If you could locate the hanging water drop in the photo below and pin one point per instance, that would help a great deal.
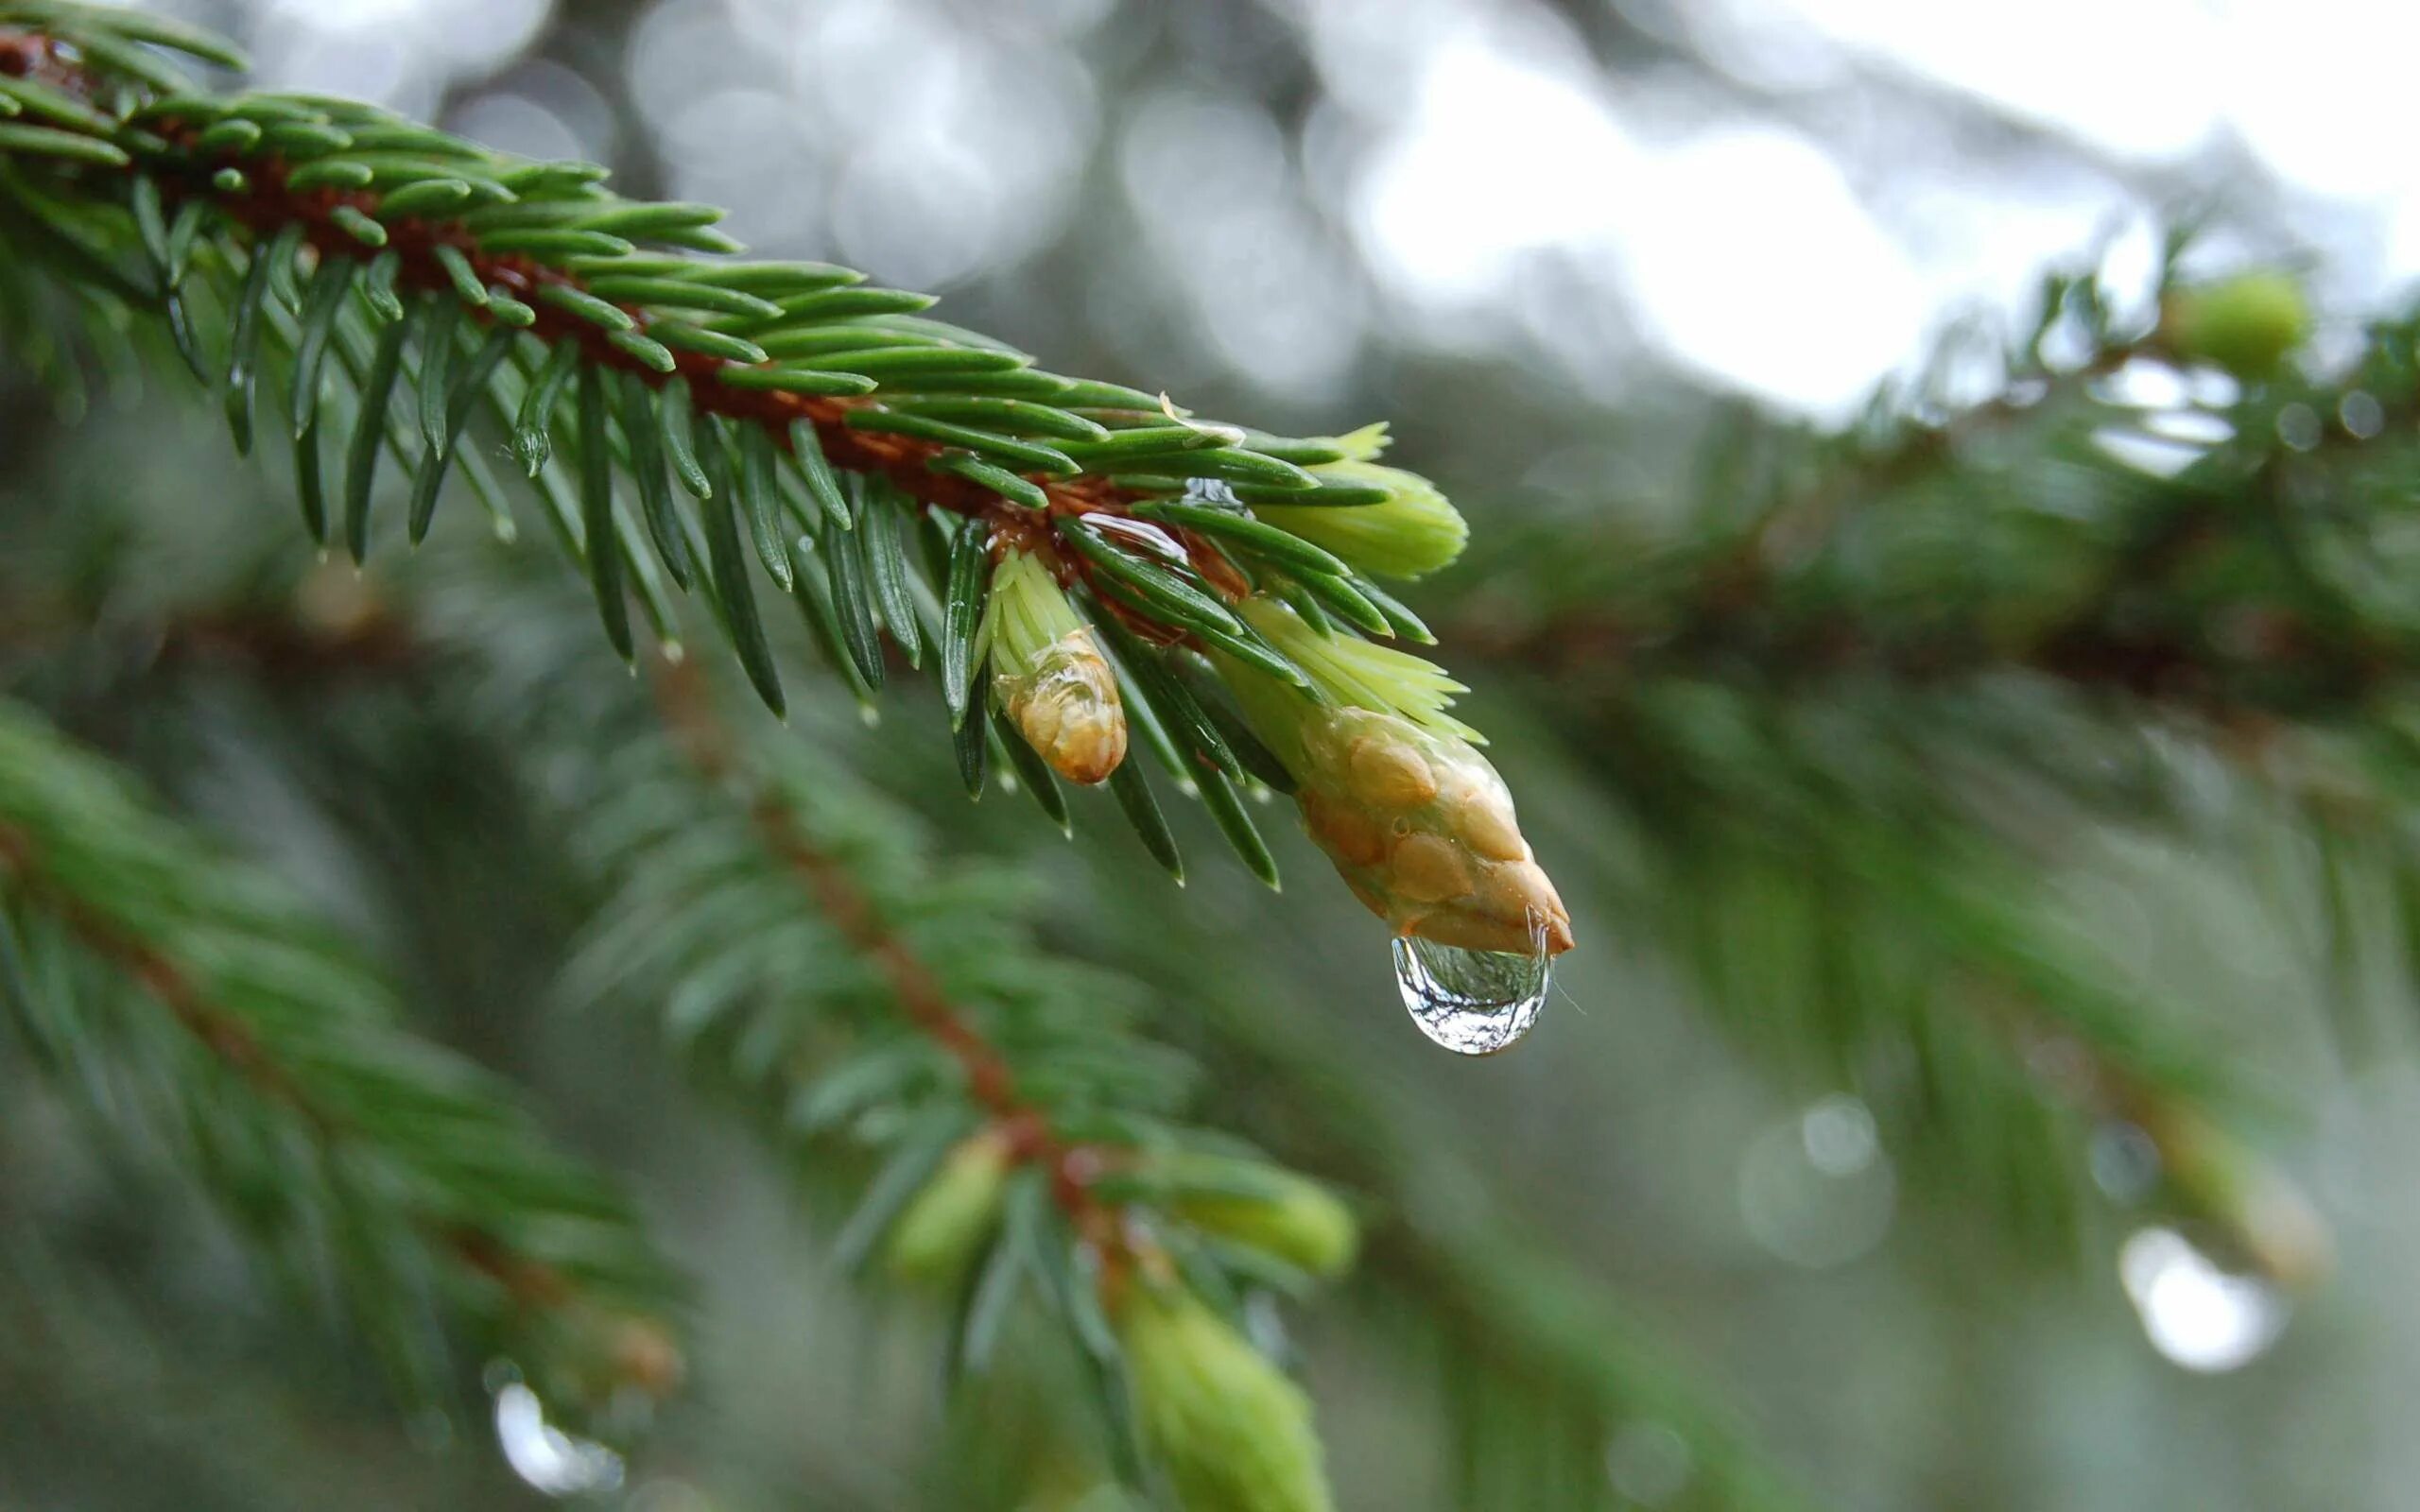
(550, 1460)
(1474, 1002)
(2201, 1317)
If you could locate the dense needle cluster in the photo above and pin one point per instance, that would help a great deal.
(1089, 567)
(730, 426)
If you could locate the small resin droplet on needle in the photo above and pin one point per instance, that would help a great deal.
(1474, 1002)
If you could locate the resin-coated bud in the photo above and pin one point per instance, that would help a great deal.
(1415, 532)
(1050, 676)
(1423, 831)
(949, 1220)
(2248, 324)
(1275, 1212)
(1233, 1433)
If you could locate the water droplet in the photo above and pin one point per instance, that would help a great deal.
(2201, 1317)
(549, 1459)
(1817, 1190)
(1838, 1133)
(2361, 415)
(1474, 1002)
(1138, 535)
(2125, 1163)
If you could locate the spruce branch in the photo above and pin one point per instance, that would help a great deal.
(1852, 707)
(1023, 1130)
(1564, 1355)
(825, 435)
(1848, 879)
(324, 1129)
(1937, 542)
(1535, 1360)
(490, 653)
(1028, 1149)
